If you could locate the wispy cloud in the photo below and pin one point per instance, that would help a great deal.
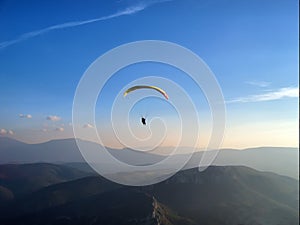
(88, 125)
(259, 83)
(4, 132)
(127, 11)
(61, 129)
(53, 118)
(287, 92)
(27, 116)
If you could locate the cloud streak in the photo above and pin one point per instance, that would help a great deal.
(53, 118)
(87, 125)
(27, 116)
(259, 83)
(128, 11)
(287, 92)
(4, 132)
(60, 129)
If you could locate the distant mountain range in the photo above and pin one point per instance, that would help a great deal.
(228, 195)
(281, 160)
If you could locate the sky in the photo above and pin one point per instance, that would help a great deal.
(251, 46)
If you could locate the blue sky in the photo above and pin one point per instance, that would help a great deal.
(250, 45)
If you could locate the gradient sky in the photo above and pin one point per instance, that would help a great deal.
(250, 45)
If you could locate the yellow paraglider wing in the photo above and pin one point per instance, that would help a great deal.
(147, 87)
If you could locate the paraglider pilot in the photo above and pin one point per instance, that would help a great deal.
(143, 120)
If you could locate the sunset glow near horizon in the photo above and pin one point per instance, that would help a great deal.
(251, 47)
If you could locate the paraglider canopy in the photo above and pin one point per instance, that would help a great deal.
(147, 87)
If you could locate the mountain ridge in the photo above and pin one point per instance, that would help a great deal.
(276, 159)
(227, 195)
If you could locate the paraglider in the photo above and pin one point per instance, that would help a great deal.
(143, 119)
